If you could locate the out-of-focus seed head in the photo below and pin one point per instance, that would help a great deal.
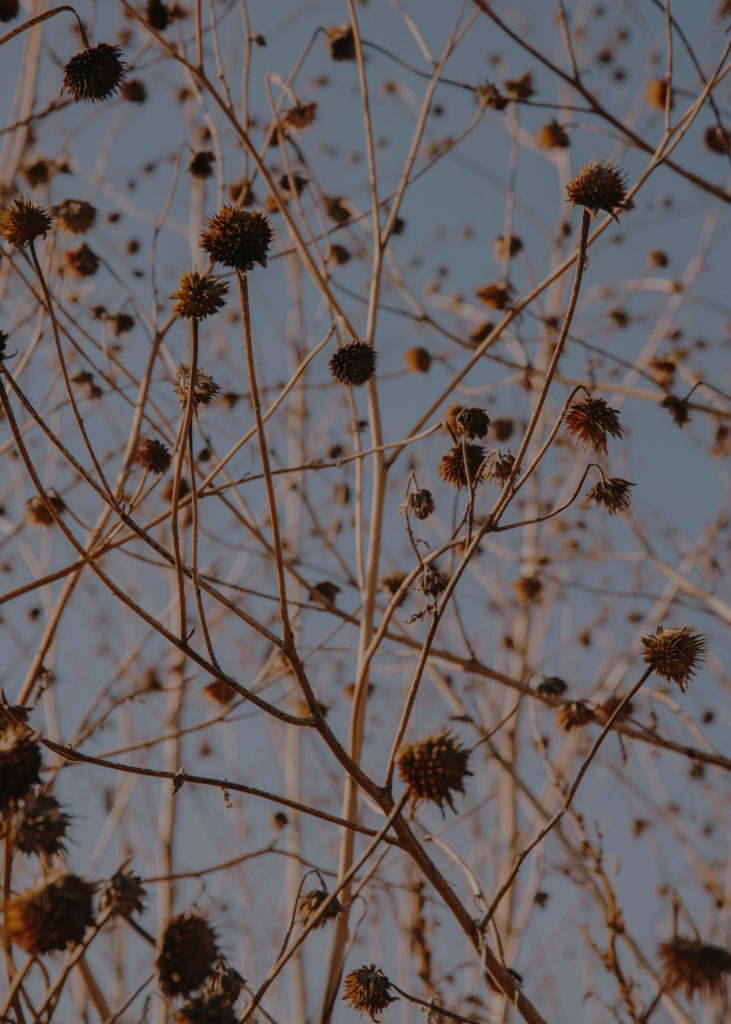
(40, 514)
(489, 95)
(123, 894)
(22, 221)
(353, 364)
(656, 94)
(472, 422)
(421, 503)
(153, 455)
(50, 916)
(237, 238)
(219, 692)
(499, 467)
(75, 216)
(599, 185)
(367, 990)
(188, 952)
(205, 1010)
(495, 295)
(300, 116)
(552, 136)
(520, 88)
(499, 247)
(199, 296)
(678, 409)
(718, 140)
(134, 90)
(225, 984)
(20, 762)
(434, 769)
(573, 714)
(39, 826)
(431, 582)
(696, 967)
(95, 74)
(591, 420)
(311, 902)
(341, 42)
(9, 9)
(205, 388)
(552, 686)
(82, 261)
(612, 493)
(674, 653)
(418, 359)
(463, 465)
(201, 164)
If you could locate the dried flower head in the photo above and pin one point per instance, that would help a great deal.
(51, 916)
(39, 826)
(134, 90)
(121, 323)
(489, 95)
(528, 588)
(367, 991)
(75, 216)
(21, 221)
(612, 492)
(717, 140)
(205, 388)
(300, 116)
(336, 210)
(573, 714)
(421, 503)
(123, 894)
(520, 88)
(199, 296)
(20, 762)
(237, 238)
(311, 902)
(599, 185)
(219, 692)
(431, 582)
(678, 409)
(291, 185)
(157, 15)
(695, 966)
(495, 295)
(462, 465)
(153, 455)
(591, 420)
(225, 984)
(201, 164)
(499, 467)
(40, 514)
(205, 1010)
(552, 136)
(674, 653)
(353, 364)
(95, 74)
(503, 427)
(9, 9)
(391, 584)
(499, 247)
(187, 954)
(471, 422)
(418, 359)
(552, 686)
(82, 261)
(434, 769)
(341, 42)
(656, 94)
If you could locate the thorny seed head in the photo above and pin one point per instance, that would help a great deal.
(472, 422)
(421, 503)
(187, 954)
(433, 769)
(367, 991)
(591, 420)
(695, 966)
(599, 185)
(341, 42)
(51, 915)
(311, 902)
(499, 467)
(612, 492)
(205, 388)
(354, 364)
(674, 653)
(22, 221)
(123, 894)
(237, 238)
(153, 455)
(461, 461)
(95, 74)
(678, 409)
(199, 296)
(39, 826)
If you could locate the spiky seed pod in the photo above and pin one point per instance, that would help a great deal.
(695, 966)
(300, 116)
(599, 185)
(38, 512)
(20, 762)
(433, 769)
(157, 15)
(201, 164)
(311, 902)
(678, 409)
(452, 466)
(134, 91)
(153, 455)
(552, 136)
(237, 238)
(205, 388)
(82, 261)
(9, 9)
(21, 221)
(39, 826)
(611, 492)
(591, 420)
(341, 42)
(674, 653)
(95, 74)
(552, 686)
(199, 296)
(472, 422)
(205, 1011)
(495, 295)
(188, 952)
(123, 894)
(418, 359)
(75, 216)
(354, 364)
(51, 916)
(573, 714)
(225, 984)
(367, 991)
(431, 582)
(499, 467)
(421, 503)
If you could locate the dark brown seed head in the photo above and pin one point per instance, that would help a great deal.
(20, 762)
(696, 967)
(463, 465)
(187, 954)
(123, 894)
(74, 216)
(199, 296)
(520, 88)
(237, 238)
(599, 185)
(157, 15)
(367, 991)
(311, 902)
(495, 295)
(552, 686)
(489, 95)
(552, 136)
(40, 514)
(39, 826)
(499, 467)
(134, 91)
(431, 582)
(22, 221)
(434, 769)
(573, 714)
(300, 116)
(9, 9)
(121, 323)
(421, 503)
(95, 74)
(499, 247)
(354, 364)
(674, 653)
(337, 211)
(503, 427)
(219, 692)
(472, 422)
(153, 455)
(611, 492)
(205, 388)
(591, 420)
(291, 186)
(418, 359)
(678, 409)
(718, 140)
(201, 164)
(205, 1010)
(225, 984)
(51, 916)
(341, 42)
(82, 261)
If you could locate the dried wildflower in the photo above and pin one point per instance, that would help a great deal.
(656, 94)
(39, 172)
(21, 221)
(205, 388)
(95, 74)
(599, 185)
(421, 503)
(552, 686)
(39, 826)
(367, 991)
(187, 954)
(199, 296)
(292, 185)
(82, 261)
(339, 255)
(495, 295)
(9, 9)
(674, 653)
(20, 761)
(503, 427)
(573, 714)
(695, 966)
(51, 916)
(528, 588)
(552, 136)
(311, 902)
(225, 984)
(153, 455)
(341, 42)
(607, 708)
(157, 15)
(611, 492)
(40, 514)
(204, 1010)
(499, 247)
(134, 91)
(237, 238)
(201, 164)
(489, 95)
(591, 420)
(718, 140)
(418, 359)
(300, 116)
(678, 409)
(462, 465)
(353, 364)
(123, 894)
(472, 422)
(75, 216)
(337, 210)
(219, 692)
(499, 467)
(433, 769)
(326, 590)
(520, 88)
(431, 582)
(122, 323)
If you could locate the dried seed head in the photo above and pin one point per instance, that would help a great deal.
(82, 261)
(678, 409)
(187, 954)
(463, 465)
(520, 88)
(205, 388)
(123, 894)
(611, 492)
(718, 140)
(418, 359)
(219, 692)
(199, 296)
(431, 582)
(421, 503)
(311, 902)
(225, 984)
(20, 762)
(300, 116)
(499, 467)
(153, 455)
(40, 514)
(674, 653)
(552, 686)
(95, 74)
(122, 323)
(201, 164)
(599, 185)
(591, 420)
(291, 186)
(695, 966)
(499, 247)
(472, 422)
(552, 136)
(51, 916)
(353, 364)
(656, 94)
(9, 9)
(21, 221)
(495, 295)
(237, 238)
(337, 211)
(528, 588)
(157, 15)
(367, 991)
(503, 427)
(489, 95)
(341, 42)
(434, 769)
(75, 216)
(39, 826)
(573, 714)
(134, 91)
(391, 584)
(204, 1010)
